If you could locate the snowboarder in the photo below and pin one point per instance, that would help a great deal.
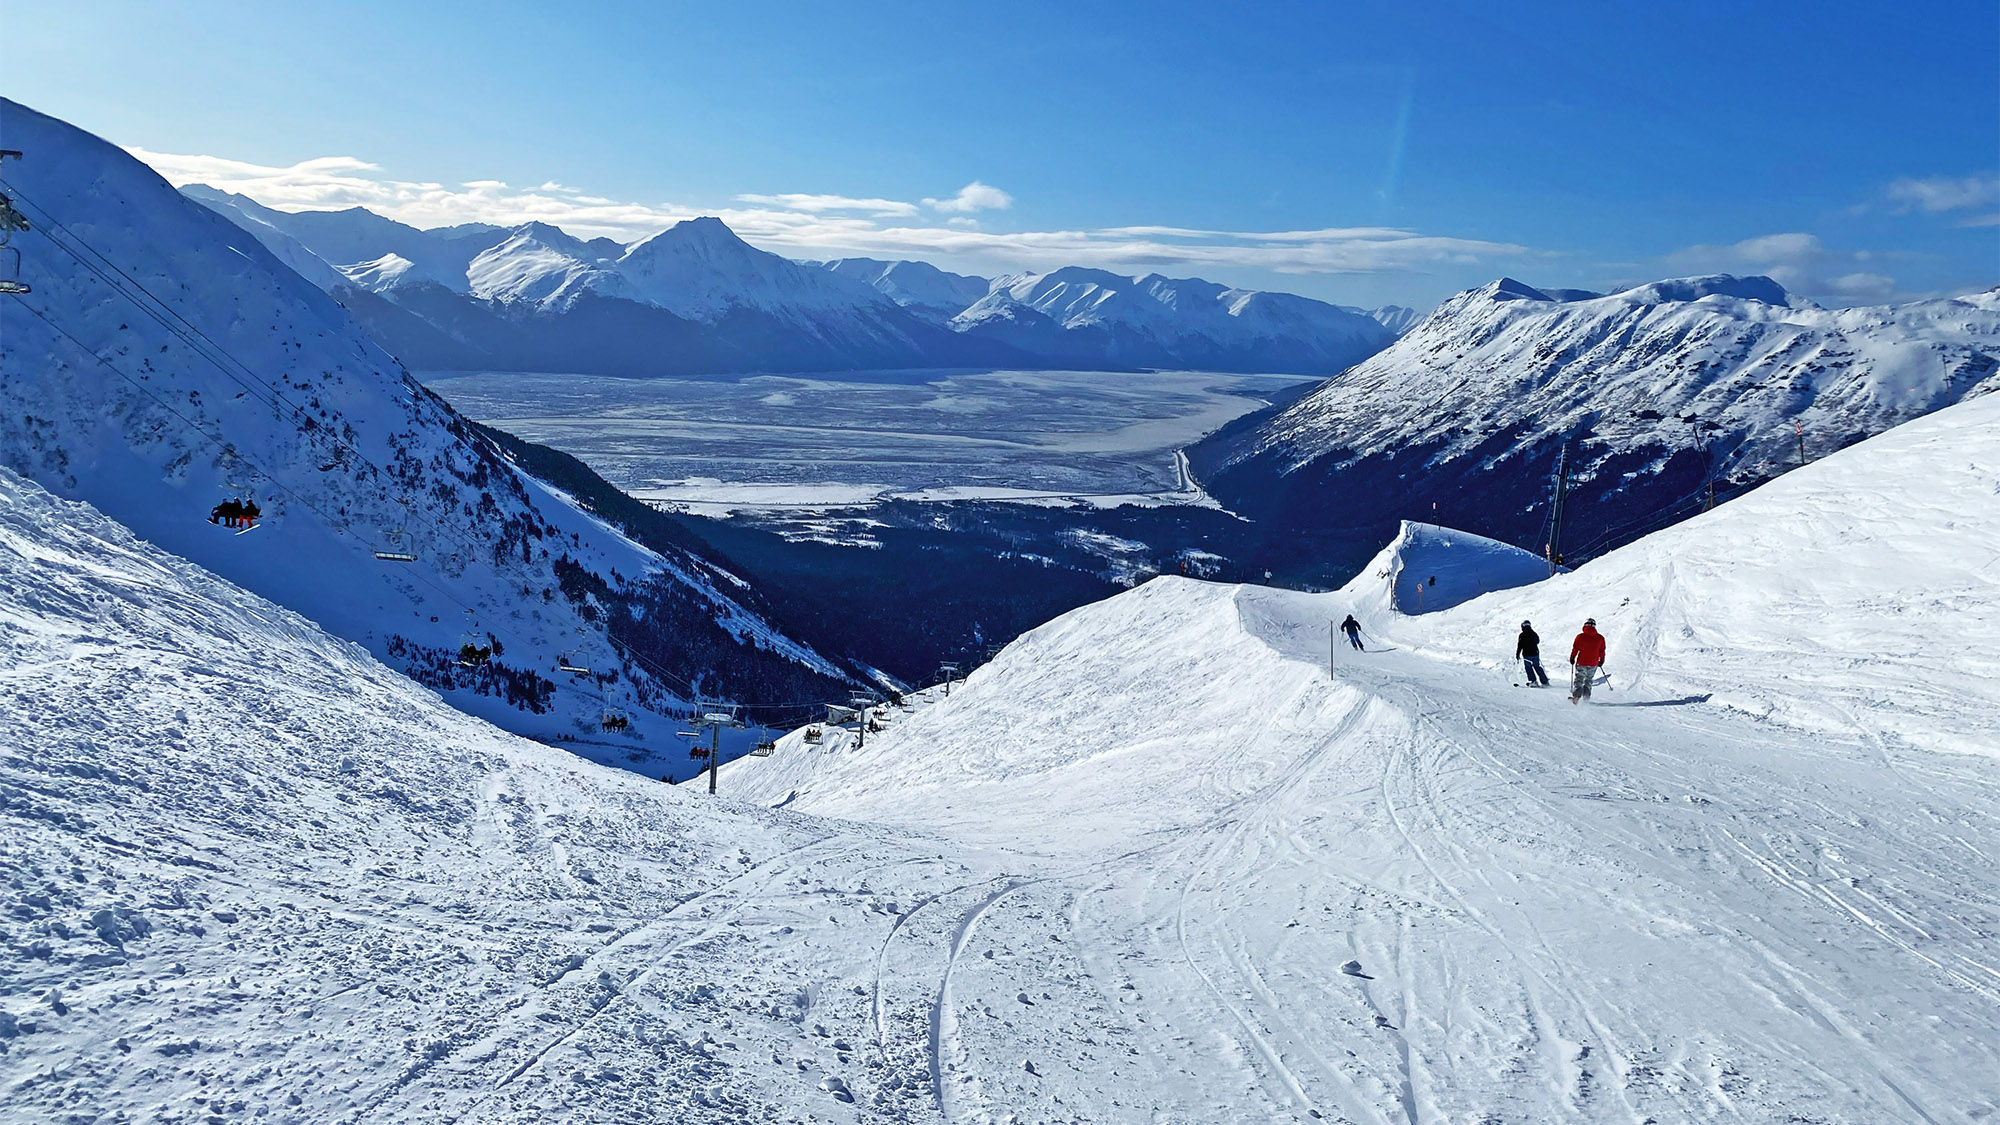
(1353, 630)
(249, 513)
(1586, 656)
(1528, 650)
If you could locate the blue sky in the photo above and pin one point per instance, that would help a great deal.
(1365, 153)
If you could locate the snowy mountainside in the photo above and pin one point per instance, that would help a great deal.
(1854, 595)
(166, 362)
(1160, 321)
(915, 285)
(1392, 886)
(253, 874)
(1656, 390)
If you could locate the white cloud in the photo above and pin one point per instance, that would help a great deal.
(1798, 261)
(795, 201)
(974, 196)
(1945, 193)
(807, 225)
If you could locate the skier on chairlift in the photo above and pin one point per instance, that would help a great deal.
(1353, 630)
(226, 513)
(1586, 658)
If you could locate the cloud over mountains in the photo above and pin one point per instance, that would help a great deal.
(817, 225)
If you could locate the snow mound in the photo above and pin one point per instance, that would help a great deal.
(1715, 285)
(1428, 568)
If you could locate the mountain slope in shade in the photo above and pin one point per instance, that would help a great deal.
(1159, 322)
(166, 362)
(1657, 390)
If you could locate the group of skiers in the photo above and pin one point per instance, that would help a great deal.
(1586, 655)
(1586, 658)
(235, 513)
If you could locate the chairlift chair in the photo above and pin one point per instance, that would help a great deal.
(11, 220)
(390, 547)
(815, 733)
(472, 653)
(615, 720)
(10, 280)
(565, 664)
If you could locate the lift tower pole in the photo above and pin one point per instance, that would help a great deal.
(1554, 549)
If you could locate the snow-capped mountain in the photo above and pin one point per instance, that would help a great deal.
(700, 270)
(1157, 321)
(1656, 390)
(166, 362)
(695, 297)
(1396, 318)
(919, 286)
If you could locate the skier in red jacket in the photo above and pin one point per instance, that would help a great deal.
(1586, 656)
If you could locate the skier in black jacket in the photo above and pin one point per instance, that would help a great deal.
(1528, 649)
(1353, 630)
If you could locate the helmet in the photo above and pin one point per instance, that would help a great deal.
(1591, 621)
(1525, 625)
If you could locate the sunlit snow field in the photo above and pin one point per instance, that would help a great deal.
(800, 441)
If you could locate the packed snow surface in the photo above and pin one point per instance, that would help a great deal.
(1170, 858)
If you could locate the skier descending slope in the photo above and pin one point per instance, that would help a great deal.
(1586, 656)
(1353, 630)
(1528, 650)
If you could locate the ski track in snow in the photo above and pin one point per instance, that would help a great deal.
(1152, 864)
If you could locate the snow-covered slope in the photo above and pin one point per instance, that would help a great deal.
(1656, 390)
(1391, 886)
(166, 362)
(1157, 320)
(1856, 595)
(915, 285)
(253, 875)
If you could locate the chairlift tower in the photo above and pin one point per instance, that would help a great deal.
(713, 722)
